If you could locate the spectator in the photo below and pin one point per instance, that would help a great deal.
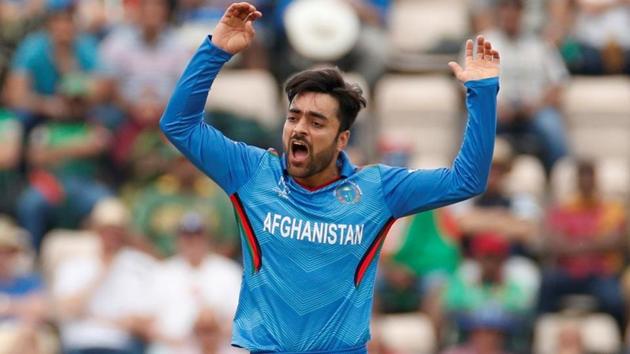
(197, 306)
(592, 35)
(483, 15)
(159, 206)
(132, 55)
(23, 308)
(485, 280)
(64, 159)
(585, 243)
(570, 340)
(532, 78)
(488, 327)
(102, 301)
(98, 18)
(17, 18)
(466, 293)
(426, 256)
(10, 155)
(496, 211)
(43, 59)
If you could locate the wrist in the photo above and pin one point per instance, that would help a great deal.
(219, 48)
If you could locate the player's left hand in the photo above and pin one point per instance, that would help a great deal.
(483, 65)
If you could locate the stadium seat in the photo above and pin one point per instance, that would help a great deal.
(191, 35)
(62, 244)
(407, 333)
(45, 340)
(430, 22)
(600, 142)
(599, 332)
(607, 97)
(356, 78)
(431, 141)
(613, 179)
(419, 110)
(527, 176)
(597, 113)
(250, 93)
(411, 95)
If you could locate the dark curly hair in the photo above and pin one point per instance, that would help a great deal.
(329, 81)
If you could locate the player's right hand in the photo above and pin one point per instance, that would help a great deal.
(235, 31)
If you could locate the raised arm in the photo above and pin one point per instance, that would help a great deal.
(228, 163)
(411, 191)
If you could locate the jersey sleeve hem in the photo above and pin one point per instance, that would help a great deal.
(491, 81)
(220, 53)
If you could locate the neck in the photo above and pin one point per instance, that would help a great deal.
(62, 46)
(151, 35)
(195, 262)
(589, 199)
(109, 252)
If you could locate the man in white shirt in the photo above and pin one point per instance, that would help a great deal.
(197, 297)
(531, 86)
(102, 301)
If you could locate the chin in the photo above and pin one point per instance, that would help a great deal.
(299, 172)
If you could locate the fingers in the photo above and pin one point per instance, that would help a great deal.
(243, 11)
(481, 46)
(496, 57)
(469, 49)
(250, 28)
(456, 68)
(253, 16)
(485, 51)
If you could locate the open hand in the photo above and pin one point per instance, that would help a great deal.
(483, 65)
(235, 31)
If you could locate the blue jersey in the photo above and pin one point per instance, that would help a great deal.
(310, 255)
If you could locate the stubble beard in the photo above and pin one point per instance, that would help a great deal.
(316, 163)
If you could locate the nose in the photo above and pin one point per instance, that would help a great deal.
(300, 127)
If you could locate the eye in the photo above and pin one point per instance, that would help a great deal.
(317, 124)
(291, 119)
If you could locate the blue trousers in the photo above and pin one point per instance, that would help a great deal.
(35, 213)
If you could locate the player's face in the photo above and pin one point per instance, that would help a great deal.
(311, 136)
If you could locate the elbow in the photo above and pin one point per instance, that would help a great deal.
(470, 185)
(474, 187)
(164, 126)
(478, 189)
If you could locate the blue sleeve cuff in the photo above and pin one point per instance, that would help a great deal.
(216, 51)
(491, 81)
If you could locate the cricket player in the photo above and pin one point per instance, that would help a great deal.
(312, 224)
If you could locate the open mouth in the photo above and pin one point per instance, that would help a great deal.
(299, 151)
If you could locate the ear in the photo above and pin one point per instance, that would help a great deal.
(342, 140)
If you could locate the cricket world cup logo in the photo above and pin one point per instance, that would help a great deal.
(348, 193)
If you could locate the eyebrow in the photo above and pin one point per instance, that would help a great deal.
(309, 113)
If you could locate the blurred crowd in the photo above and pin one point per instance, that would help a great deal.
(112, 242)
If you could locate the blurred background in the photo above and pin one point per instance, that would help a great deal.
(111, 242)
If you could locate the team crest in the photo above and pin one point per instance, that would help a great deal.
(348, 193)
